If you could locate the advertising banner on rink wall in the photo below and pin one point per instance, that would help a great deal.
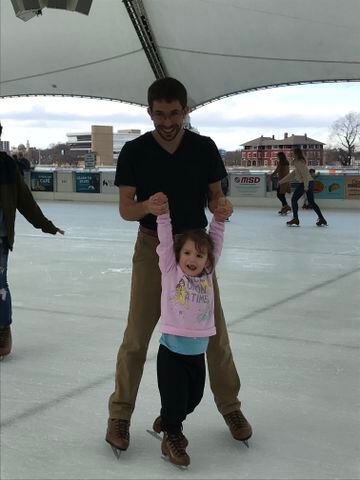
(87, 182)
(107, 183)
(329, 186)
(352, 187)
(42, 181)
(245, 184)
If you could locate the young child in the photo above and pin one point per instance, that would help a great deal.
(187, 321)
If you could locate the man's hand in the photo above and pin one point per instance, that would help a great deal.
(223, 210)
(62, 232)
(158, 204)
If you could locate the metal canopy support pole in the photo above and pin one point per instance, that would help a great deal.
(137, 14)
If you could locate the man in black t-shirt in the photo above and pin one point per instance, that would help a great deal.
(188, 169)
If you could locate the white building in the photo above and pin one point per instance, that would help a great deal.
(98, 141)
(121, 137)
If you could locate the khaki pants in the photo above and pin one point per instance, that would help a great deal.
(144, 314)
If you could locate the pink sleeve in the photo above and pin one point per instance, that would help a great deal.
(165, 249)
(216, 232)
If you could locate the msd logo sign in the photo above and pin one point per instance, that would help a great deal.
(247, 180)
(247, 184)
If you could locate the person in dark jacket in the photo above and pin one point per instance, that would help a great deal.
(281, 171)
(22, 163)
(14, 195)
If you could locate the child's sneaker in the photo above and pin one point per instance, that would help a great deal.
(172, 447)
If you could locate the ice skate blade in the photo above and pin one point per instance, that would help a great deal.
(245, 442)
(180, 467)
(155, 434)
(116, 452)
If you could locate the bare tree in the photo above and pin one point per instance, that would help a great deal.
(59, 154)
(232, 158)
(346, 131)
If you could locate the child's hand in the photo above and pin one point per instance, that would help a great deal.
(159, 198)
(223, 210)
(158, 204)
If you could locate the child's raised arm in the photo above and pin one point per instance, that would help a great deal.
(165, 249)
(216, 232)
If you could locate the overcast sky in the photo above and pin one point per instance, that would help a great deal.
(230, 122)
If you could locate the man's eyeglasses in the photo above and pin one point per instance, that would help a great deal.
(161, 116)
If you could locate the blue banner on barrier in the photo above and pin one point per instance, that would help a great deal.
(329, 186)
(87, 182)
(42, 181)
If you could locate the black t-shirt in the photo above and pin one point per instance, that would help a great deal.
(183, 176)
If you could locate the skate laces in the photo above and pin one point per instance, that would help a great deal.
(175, 441)
(236, 419)
(122, 428)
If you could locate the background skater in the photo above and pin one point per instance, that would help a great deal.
(306, 184)
(282, 169)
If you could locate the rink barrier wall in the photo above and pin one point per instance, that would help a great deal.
(246, 188)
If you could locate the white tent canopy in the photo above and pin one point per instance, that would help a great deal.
(215, 47)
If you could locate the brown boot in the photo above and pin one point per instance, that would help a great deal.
(286, 209)
(157, 429)
(157, 424)
(294, 221)
(321, 222)
(239, 427)
(5, 340)
(172, 447)
(118, 433)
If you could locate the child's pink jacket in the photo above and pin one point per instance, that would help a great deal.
(187, 303)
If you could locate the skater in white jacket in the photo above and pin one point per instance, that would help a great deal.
(306, 184)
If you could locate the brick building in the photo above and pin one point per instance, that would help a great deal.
(261, 152)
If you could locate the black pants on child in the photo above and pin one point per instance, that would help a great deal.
(181, 381)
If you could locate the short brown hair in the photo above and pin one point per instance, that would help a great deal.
(168, 89)
(203, 243)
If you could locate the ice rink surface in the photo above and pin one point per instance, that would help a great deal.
(291, 299)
